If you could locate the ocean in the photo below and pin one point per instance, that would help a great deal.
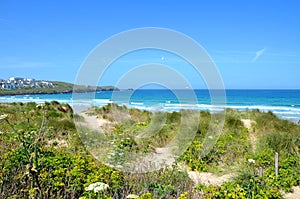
(283, 103)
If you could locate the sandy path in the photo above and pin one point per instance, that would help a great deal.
(208, 178)
(248, 124)
(161, 158)
(93, 122)
(294, 195)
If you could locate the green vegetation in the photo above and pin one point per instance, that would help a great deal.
(59, 87)
(42, 156)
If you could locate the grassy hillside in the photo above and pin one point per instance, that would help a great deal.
(59, 87)
(42, 156)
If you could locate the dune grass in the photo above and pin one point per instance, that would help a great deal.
(43, 156)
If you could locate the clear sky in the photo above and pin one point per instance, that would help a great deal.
(255, 43)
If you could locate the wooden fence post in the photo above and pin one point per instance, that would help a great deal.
(276, 164)
(260, 172)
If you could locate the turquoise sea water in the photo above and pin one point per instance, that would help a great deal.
(284, 103)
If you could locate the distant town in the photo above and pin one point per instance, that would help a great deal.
(14, 83)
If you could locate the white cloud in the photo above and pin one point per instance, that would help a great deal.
(245, 57)
(259, 54)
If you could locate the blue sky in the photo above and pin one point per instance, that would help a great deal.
(255, 44)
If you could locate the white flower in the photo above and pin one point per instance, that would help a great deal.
(119, 166)
(111, 154)
(132, 196)
(97, 186)
(251, 161)
(97, 189)
(3, 117)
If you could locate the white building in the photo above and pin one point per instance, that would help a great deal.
(8, 86)
(18, 82)
(16, 79)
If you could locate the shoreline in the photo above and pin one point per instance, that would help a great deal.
(285, 105)
(56, 92)
(79, 108)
